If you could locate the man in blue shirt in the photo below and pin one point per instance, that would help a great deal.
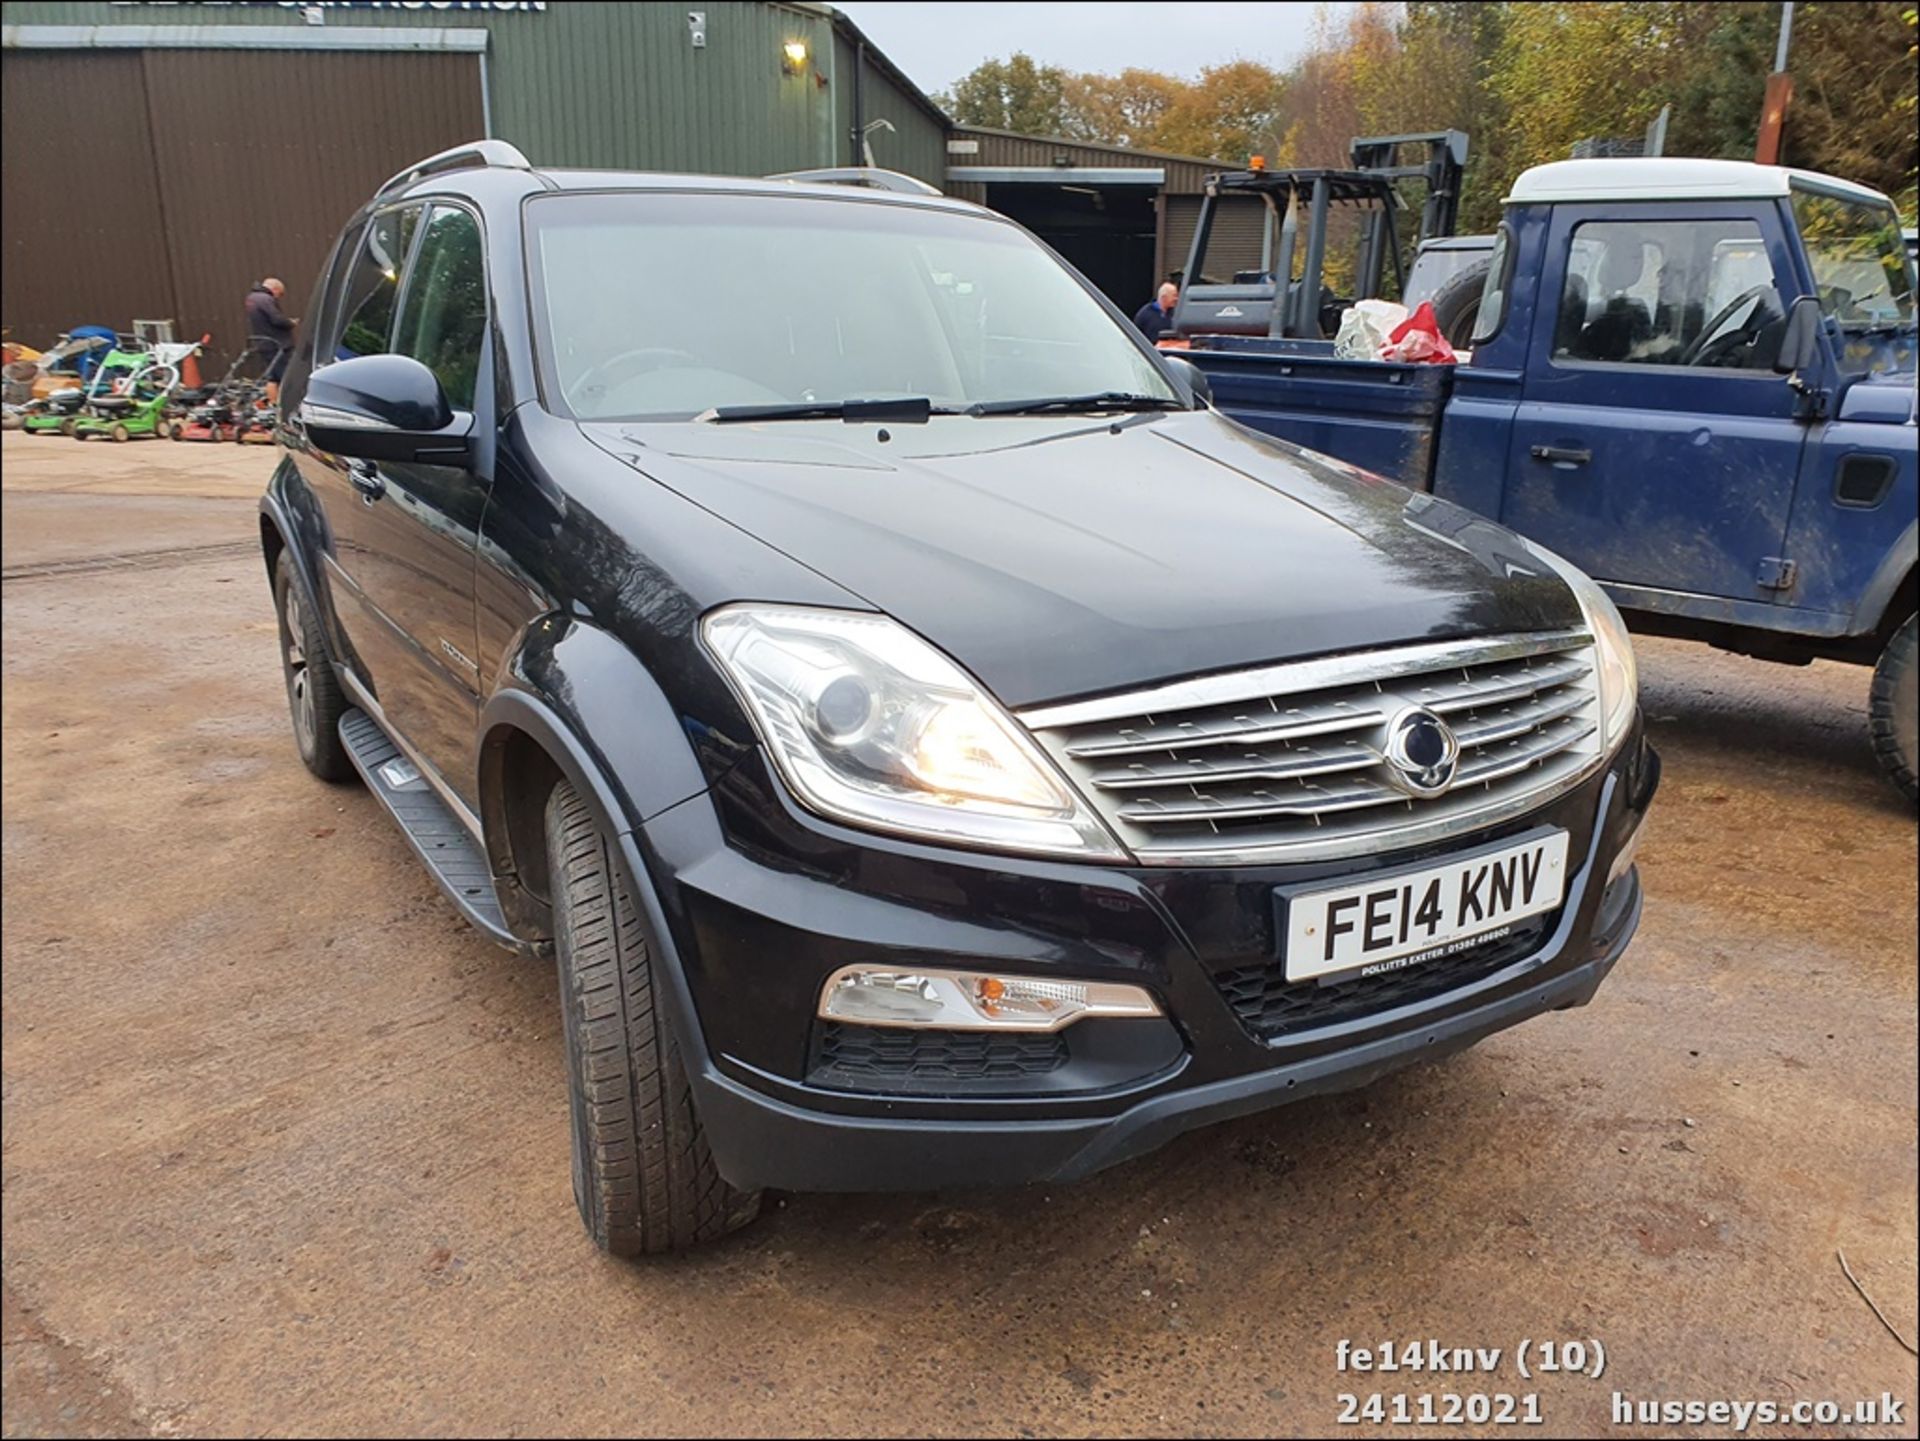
(1157, 314)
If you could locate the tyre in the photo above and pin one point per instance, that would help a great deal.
(69, 425)
(1456, 305)
(119, 433)
(1893, 709)
(643, 1177)
(162, 428)
(313, 691)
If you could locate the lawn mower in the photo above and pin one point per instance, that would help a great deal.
(145, 406)
(32, 378)
(233, 409)
(58, 413)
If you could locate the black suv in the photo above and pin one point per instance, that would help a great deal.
(936, 748)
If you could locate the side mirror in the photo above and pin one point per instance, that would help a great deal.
(1800, 342)
(1195, 378)
(384, 407)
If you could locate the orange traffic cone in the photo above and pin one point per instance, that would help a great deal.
(190, 367)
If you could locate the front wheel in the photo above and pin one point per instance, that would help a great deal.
(643, 1177)
(1893, 709)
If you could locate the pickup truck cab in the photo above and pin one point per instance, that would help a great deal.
(933, 748)
(1694, 379)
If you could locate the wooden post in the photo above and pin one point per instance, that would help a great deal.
(1773, 117)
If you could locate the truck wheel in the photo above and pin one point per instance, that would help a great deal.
(313, 691)
(643, 1177)
(1893, 708)
(1456, 305)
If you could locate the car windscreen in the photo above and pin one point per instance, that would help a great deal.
(665, 305)
(1861, 276)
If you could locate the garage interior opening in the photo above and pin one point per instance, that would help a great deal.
(1105, 231)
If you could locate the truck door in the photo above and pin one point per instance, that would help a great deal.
(1654, 446)
(407, 532)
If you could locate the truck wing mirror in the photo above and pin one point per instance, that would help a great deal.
(1195, 378)
(1800, 343)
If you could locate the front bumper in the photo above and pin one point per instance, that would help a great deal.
(756, 904)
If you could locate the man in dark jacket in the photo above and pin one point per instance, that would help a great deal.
(269, 332)
(1157, 314)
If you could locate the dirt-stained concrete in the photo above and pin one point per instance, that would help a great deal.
(285, 1143)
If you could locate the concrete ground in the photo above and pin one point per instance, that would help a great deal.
(285, 1143)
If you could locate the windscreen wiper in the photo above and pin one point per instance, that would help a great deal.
(1101, 400)
(909, 410)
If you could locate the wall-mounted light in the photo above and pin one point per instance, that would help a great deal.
(793, 57)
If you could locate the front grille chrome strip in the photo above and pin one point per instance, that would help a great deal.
(1250, 730)
(1224, 773)
(1505, 725)
(1295, 677)
(1349, 756)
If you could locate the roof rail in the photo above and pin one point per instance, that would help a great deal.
(868, 175)
(461, 157)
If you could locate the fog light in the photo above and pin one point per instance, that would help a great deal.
(973, 1000)
(1623, 861)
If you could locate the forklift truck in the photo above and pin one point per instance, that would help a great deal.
(1300, 201)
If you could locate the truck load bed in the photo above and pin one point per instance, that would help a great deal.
(1383, 416)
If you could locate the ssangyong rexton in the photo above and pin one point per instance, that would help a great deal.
(935, 747)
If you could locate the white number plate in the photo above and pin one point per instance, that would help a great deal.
(1391, 922)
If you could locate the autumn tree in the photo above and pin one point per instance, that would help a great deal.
(1853, 95)
(1010, 94)
(1526, 81)
(1125, 109)
(1232, 111)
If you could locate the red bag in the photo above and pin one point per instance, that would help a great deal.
(1418, 338)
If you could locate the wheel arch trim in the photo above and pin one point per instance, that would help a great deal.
(564, 682)
(1870, 613)
(520, 710)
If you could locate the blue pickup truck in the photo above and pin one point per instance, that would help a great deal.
(1695, 379)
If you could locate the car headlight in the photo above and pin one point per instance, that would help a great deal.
(1618, 674)
(869, 724)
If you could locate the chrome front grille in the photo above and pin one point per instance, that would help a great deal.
(1289, 762)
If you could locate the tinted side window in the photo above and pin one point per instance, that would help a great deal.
(444, 316)
(366, 308)
(1689, 292)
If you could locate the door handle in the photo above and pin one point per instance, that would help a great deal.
(1561, 455)
(366, 479)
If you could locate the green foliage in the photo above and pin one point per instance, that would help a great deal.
(1853, 95)
(1525, 80)
(1011, 94)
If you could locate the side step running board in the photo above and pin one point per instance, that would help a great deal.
(433, 831)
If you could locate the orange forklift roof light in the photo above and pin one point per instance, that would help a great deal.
(1256, 162)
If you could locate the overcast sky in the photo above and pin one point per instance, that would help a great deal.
(937, 43)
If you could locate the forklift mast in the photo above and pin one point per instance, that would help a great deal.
(1265, 303)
